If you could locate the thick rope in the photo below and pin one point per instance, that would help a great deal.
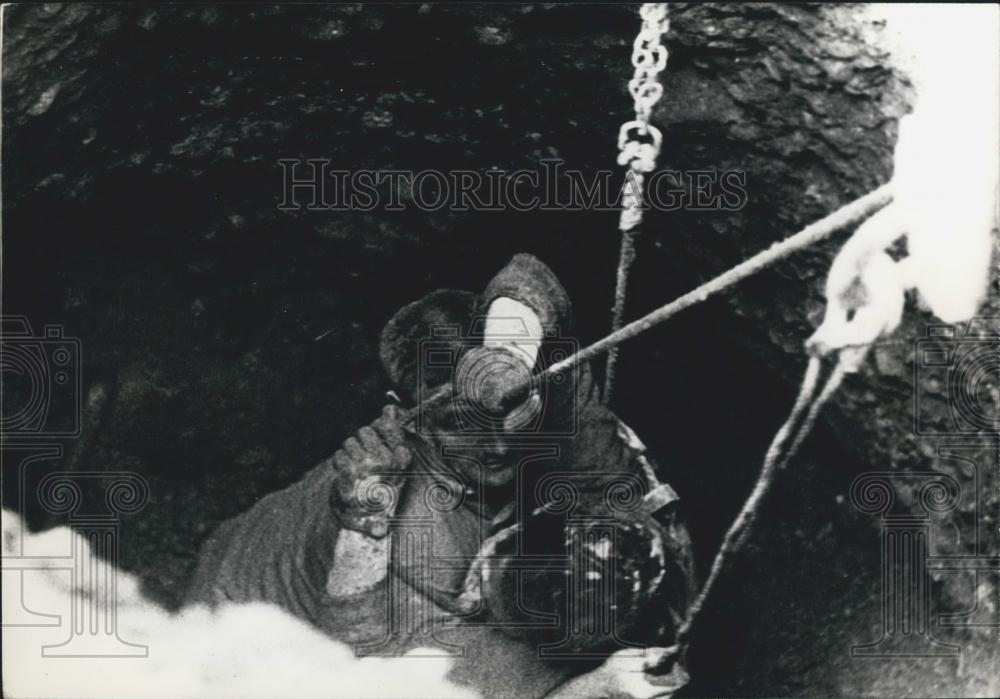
(638, 145)
(625, 259)
(806, 407)
(777, 456)
(847, 215)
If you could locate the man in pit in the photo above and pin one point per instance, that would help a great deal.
(416, 532)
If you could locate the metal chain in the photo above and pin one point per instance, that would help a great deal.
(638, 141)
(649, 58)
(638, 147)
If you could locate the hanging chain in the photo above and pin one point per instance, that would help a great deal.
(649, 57)
(638, 145)
(638, 141)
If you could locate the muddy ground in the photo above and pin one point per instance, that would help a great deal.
(141, 190)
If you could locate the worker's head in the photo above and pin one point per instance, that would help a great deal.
(490, 406)
(491, 399)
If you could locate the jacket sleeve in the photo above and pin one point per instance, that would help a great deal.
(278, 551)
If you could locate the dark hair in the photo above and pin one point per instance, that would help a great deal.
(399, 345)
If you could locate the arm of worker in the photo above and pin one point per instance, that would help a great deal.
(278, 551)
(367, 474)
(288, 547)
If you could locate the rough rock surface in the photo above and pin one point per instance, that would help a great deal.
(140, 212)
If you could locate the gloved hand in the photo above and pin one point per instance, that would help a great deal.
(367, 477)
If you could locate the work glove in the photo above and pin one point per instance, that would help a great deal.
(368, 474)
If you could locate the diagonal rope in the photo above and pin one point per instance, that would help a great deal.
(806, 408)
(845, 216)
(777, 456)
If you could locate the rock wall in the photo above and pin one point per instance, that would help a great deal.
(141, 213)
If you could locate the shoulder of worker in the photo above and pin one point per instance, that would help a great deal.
(268, 552)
